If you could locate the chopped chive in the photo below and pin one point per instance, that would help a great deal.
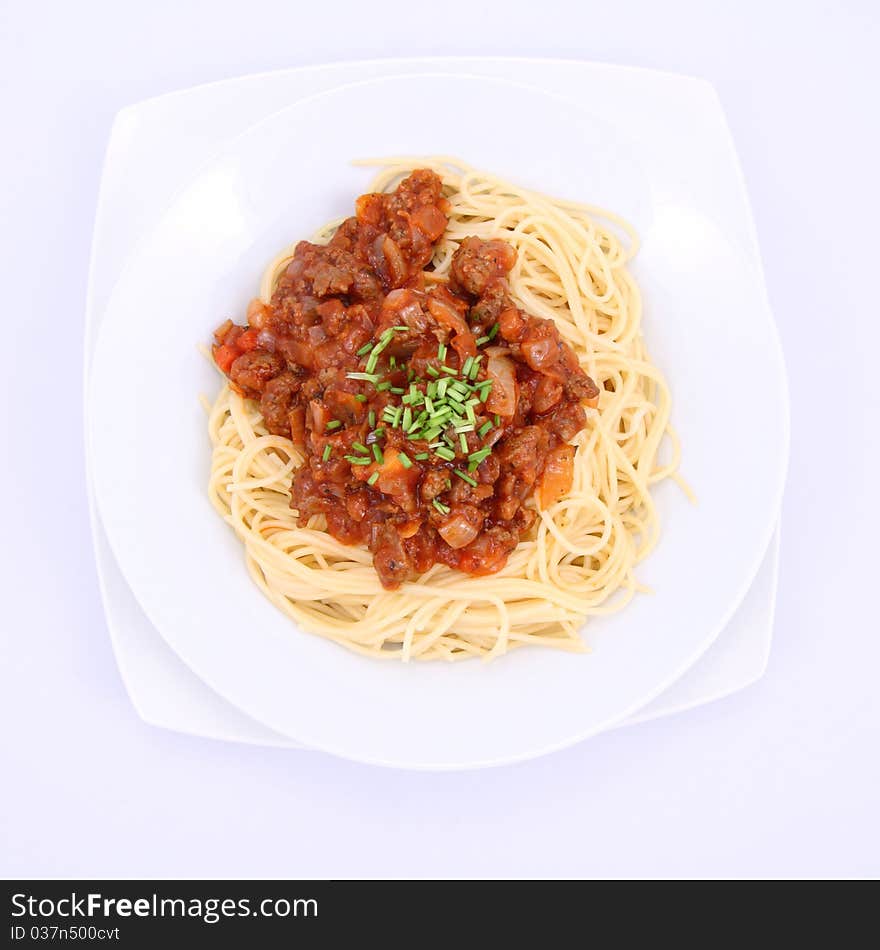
(441, 352)
(410, 374)
(497, 420)
(475, 369)
(442, 386)
(433, 371)
(333, 424)
(462, 441)
(381, 387)
(377, 453)
(360, 447)
(379, 432)
(371, 418)
(421, 456)
(372, 361)
(449, 370)
(469, 412)
(405, 460)
(360, 397)
(464, 427)
(494, 330)
(445, 453)
(357, 459)
(483, 339)
(392, 362)
(365, 349)
(484, 428)
(443, 509)
(325, 455)
(448, 484)
(475, 458)
(373, 478)
(429, 405)
(432, 389)
(466, 369)
(429, 434)
(366, 377)
(397, 390)
(465, 478)
(402, 328)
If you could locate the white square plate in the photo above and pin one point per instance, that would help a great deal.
(136, 188)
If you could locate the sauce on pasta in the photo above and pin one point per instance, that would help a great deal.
(429, 410)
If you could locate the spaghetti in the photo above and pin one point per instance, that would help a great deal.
(579, 557)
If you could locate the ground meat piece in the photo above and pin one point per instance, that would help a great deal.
(277, 401)
(463, 493)
(346, 235)
(547, 394)
(567, 420)
(434, 483)
(508, 497)
(326, 271)
(252, 370)
(523, 450)
(489, 552)
(476, 262)
(392, 563)
(494, 300)
(305, 500)
(521, 454)
(332, 272)
(581, 386)
(488, 470)
(523, 520)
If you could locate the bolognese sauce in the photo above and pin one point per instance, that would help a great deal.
(429, 410)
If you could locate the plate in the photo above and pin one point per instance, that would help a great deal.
(136, 184)
(149, 454)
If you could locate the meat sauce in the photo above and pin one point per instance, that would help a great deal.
(429, 410)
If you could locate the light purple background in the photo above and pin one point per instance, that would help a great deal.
(781, 779)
